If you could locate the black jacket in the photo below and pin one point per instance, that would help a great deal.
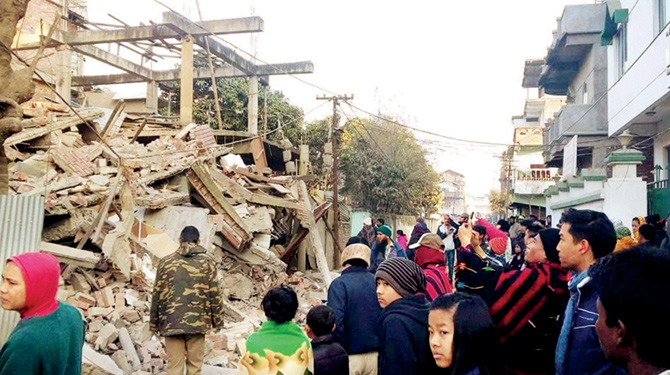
(330, 358)
(353, 297)
(404, 338)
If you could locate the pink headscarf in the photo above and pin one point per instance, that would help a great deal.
(41, 273)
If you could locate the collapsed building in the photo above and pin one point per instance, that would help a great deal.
(115, 187)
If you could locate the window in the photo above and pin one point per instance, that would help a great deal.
(662, 14)
(585, 94)
(622, 49)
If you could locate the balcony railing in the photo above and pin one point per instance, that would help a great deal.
(535, 174)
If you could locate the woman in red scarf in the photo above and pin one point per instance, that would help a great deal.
(430, 257)
(50, 335)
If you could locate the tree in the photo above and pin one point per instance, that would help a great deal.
(315, 136)
(498, 202)
(385, 170)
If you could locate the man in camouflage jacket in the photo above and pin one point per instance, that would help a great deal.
(186, 303)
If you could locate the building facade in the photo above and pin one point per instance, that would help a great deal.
(525, 176)
(576, 66)
(453, 188)
(636, 34)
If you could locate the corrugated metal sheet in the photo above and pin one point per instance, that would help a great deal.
(21, 223)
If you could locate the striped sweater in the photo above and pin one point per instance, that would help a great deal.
(519, 295)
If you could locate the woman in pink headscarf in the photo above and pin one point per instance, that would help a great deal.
(50, 335)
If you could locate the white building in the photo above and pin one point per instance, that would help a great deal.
(639, 85)
(453, 188)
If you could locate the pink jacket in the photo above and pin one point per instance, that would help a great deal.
(491, 230)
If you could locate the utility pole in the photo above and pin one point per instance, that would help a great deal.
(335, 139)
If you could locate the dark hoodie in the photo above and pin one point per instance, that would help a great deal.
(186, 298)
(404, 338)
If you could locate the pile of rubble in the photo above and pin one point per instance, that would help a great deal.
(115, 206)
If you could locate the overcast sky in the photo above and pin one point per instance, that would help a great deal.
(450, 67)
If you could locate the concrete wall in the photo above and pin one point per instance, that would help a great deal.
(402, 222)
(644, 81)
(622, 196)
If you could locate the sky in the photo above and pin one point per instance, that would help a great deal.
(448, 67)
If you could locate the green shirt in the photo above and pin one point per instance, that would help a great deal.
(278, 349)
(47, 345)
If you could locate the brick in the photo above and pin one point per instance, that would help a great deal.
(131, 316)
(80, 304)
(204, 134)
(120, 300)
(106, 336)
(84, 297)
(102, 283)
(73, 162)
(99, 299)
(107, 296)
(79, 283)
(100, 311)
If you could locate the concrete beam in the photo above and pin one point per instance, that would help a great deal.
(161, 31)
(227, 54)
(301, 67)
(108, 79)
(115, 61)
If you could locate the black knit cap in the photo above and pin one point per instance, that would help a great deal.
(550, 240)
(405, 276)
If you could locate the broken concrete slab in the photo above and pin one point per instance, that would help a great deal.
(104, 362)
(107, 335)
(73, 162)
(262, 240)
(172, 220)
(237, 286)
(129, 348)
(259, 222)
(159, 244)
(119, 357)
(69, 255)
(62, 123)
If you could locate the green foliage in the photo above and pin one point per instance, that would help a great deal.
(498, 202)
(315, 136)
(390, 175)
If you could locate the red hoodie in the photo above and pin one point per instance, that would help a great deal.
(41, 273)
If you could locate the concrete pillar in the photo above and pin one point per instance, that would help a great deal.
(625, 194)
(304, 159)
(152, 96)
(186, 100)
(253, 105)
(64, 74)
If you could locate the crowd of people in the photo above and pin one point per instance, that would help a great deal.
(517, 297)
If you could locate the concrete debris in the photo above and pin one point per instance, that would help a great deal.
(113, 213)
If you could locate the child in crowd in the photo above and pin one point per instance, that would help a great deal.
(401, 238)
(330, 358)
(462, 336)
(279, 346)
(404, 330)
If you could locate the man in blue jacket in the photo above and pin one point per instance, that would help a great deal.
(353, 298)
(585, 236)
(633, 308)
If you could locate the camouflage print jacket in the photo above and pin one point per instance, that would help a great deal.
(186, 299)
